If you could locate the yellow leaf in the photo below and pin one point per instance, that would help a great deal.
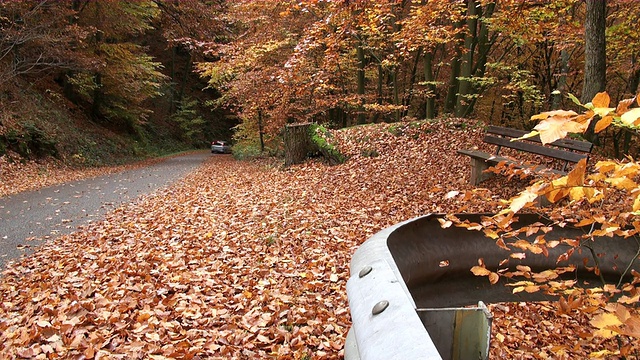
(602, 111)
(576, 193)
(526, 136)
(630, 117)
(605, 166)
(602, 353)
(593, 195)
(623, 183)
(636, 203)
(603, 322)
(491, 234)
(576, 176)
(521, 283)
(522, 200)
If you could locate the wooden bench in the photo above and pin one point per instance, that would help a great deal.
(567, 150)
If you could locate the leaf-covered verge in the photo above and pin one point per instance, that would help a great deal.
(250, 260)
(18, 175)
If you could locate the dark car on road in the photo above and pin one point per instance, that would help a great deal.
(220, 147)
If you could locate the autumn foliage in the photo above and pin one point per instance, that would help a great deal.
(604, 199)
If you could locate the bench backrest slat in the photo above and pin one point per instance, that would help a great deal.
(571, 144)
(535, 148)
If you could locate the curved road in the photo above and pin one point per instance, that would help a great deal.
(28, 218)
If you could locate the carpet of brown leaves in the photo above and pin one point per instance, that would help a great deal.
(248, 259)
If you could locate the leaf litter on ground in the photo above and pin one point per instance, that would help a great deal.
(250, 260)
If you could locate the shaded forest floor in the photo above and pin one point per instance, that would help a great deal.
(250, 260)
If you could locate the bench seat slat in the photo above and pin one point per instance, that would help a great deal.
(493, 160)
(535, 149)
(571, 144)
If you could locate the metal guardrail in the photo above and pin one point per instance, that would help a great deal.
(405, 305)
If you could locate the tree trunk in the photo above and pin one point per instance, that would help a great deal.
(595, 65)
(185, 77)
(430, 110)
(452, 92)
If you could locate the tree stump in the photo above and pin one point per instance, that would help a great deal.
(297, 143)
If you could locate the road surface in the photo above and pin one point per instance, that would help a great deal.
(28, 218)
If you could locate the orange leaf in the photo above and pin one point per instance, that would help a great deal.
(480, 271)
(601, 100)
(493, 278)
(603, 123)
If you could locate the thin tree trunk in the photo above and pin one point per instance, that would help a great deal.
(380, 82)
(396, 92)
(260, 131)
(634, 77)
(452, 90)
(183, 84)
(361, 84)
(470, 40)
(562, 80)
(412, 81)
(429, 79)
(172, 90)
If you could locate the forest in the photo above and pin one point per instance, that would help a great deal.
(192, 70)
(97, 82)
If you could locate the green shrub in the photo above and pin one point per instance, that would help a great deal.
(246, 150)
(30, 141)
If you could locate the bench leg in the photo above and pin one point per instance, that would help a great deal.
(478, 166)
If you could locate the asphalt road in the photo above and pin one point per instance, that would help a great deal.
(28, 218)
